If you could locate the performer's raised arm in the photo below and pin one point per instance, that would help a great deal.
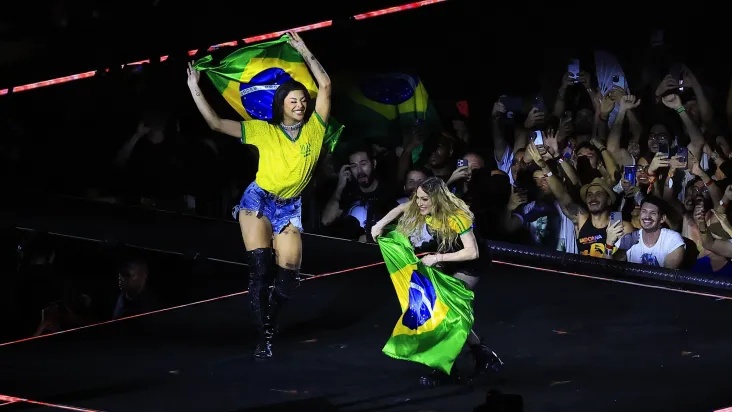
(322, 102)
(230, 127)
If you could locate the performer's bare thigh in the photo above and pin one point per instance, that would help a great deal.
(470, 281)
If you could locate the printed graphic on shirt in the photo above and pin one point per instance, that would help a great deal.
(592, 245)
(650, 260)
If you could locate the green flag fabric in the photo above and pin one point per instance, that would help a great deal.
(249, 77)
(437, 312)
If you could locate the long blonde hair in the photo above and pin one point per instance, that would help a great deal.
(445, 205)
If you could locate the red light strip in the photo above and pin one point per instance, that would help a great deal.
(12, 399)
(55, 81)
(262, 37)
(396, 9)
(233, 43)
(273, 35)
(252, 39)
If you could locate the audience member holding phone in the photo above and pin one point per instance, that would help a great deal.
(458, 181)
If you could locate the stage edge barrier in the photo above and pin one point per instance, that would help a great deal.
(570, 262)
(513, 253)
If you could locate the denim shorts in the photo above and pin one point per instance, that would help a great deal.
(280, 212)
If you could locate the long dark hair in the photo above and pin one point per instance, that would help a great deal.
(278, 104)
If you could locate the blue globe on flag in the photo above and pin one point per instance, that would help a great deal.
(258, 94)
(422, 298)
(392, 89)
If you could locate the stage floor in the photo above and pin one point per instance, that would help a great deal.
(569, 344)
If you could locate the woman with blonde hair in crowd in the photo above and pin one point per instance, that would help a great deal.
(450, 223)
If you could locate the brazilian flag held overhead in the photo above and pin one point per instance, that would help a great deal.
(437, 312)
(249, 77)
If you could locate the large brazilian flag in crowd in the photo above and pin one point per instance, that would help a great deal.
(249, 77)
(383, 107)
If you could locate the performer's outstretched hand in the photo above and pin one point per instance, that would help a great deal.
(296, 42)
(193, 75)
(376, 231)
(429, 260)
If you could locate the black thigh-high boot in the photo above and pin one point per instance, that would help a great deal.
(285, 283)
(261, 262)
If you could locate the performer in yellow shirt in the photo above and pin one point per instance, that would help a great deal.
(269, 212)
(450, 222)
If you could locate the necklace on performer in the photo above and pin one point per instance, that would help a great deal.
(291, 127)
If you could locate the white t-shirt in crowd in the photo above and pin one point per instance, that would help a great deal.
(639, 252)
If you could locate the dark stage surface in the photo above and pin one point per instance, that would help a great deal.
(569, 343)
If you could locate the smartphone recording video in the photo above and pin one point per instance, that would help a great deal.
(630, 174)
(538, 138)
(682, 154)
(677, 72)
(615, 217)
(512, 104)
(539, 103)
(574, 69)
(619, 82)
(663, 148)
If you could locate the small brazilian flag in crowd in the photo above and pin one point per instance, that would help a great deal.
(249, 77)
(437, 312)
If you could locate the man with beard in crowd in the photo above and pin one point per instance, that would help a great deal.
(652, 245)
(359, 200)
(591, 217)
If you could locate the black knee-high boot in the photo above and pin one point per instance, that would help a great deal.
(261, 263)
(485, 360)
(285, 283)
(437, 378)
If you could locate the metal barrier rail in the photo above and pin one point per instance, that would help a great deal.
(571, 262)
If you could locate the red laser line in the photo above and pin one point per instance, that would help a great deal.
(106, 322)
(13, 399)
(625, 282)
(8, 403)
(352, 269)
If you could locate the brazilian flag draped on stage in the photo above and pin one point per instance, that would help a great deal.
(249, 77)
(437, 312)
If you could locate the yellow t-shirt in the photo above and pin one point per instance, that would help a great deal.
(460, 223)
(285, 165)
